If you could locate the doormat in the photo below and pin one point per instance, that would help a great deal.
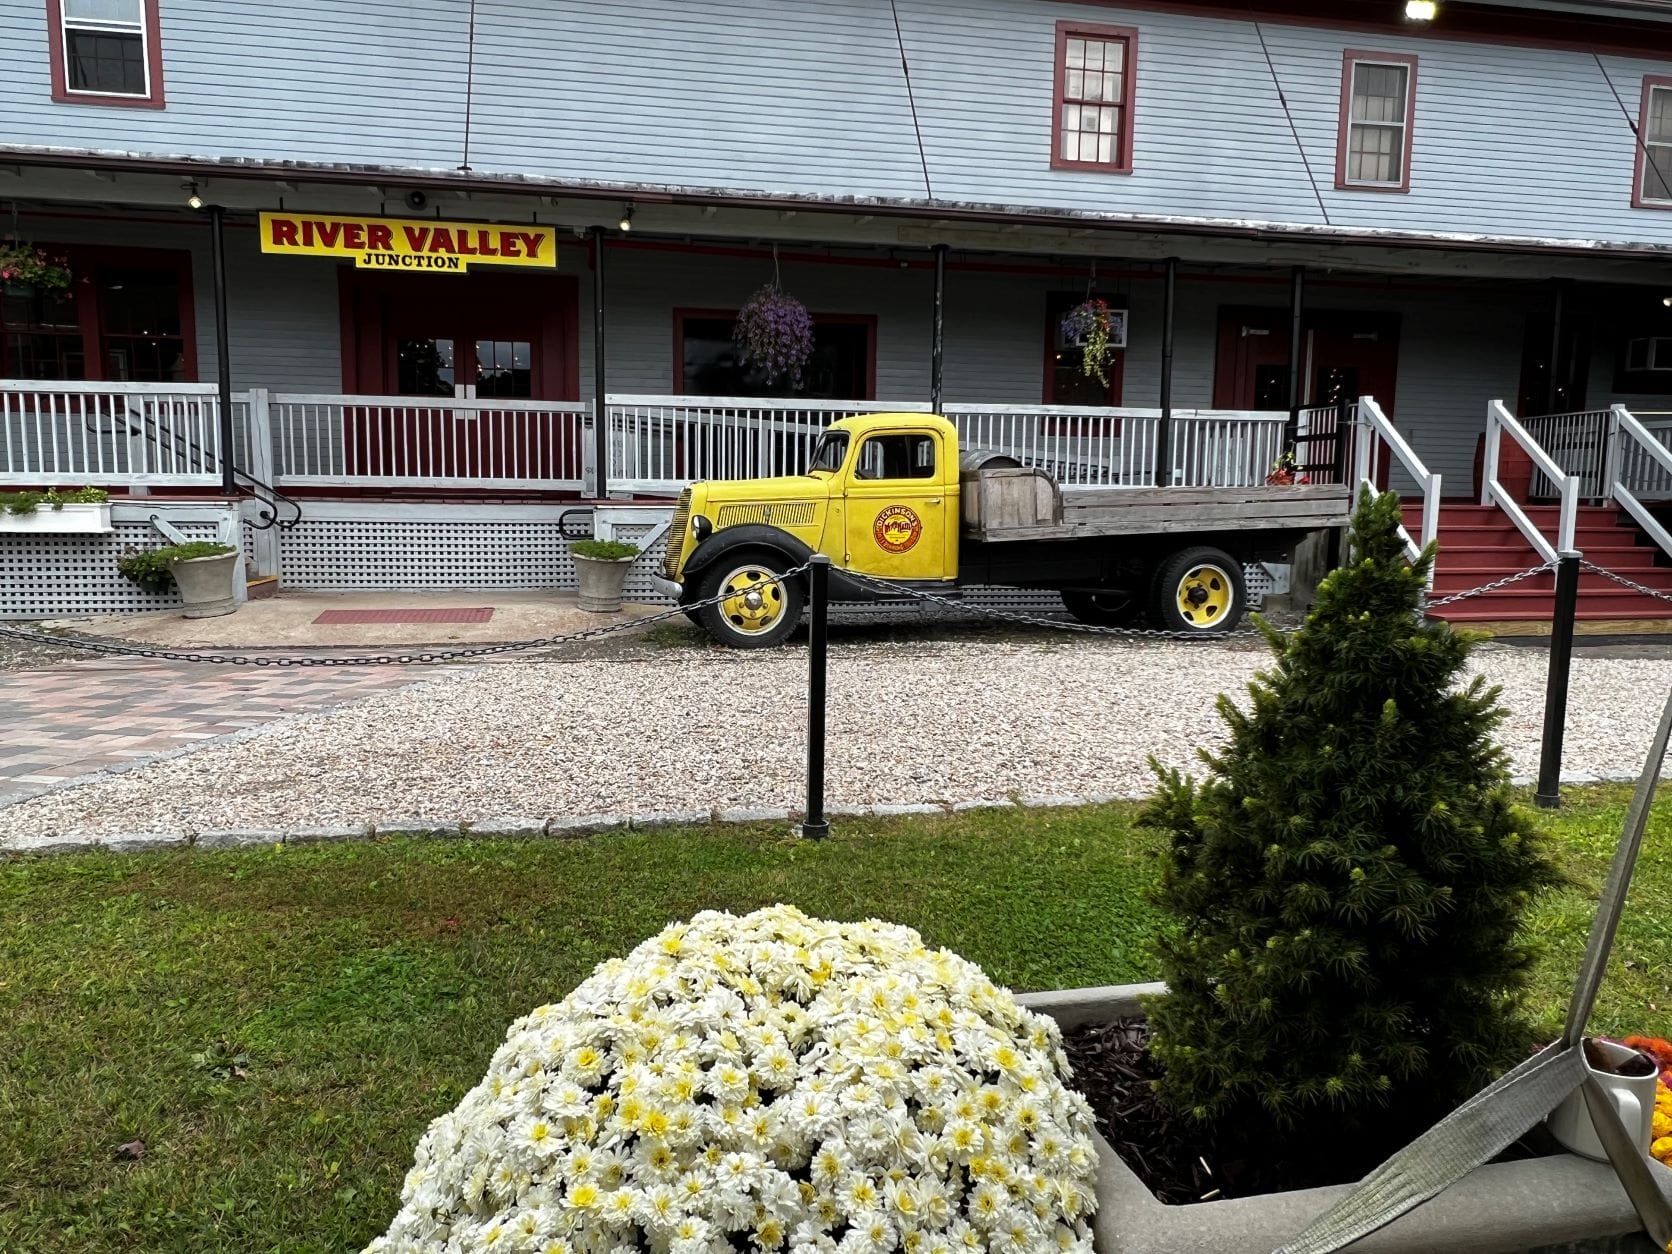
(346, 618)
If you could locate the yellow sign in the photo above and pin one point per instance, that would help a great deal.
(409, 243)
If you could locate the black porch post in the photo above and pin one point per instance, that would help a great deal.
(937, 342)
(1297, 308)
(1553, 378)
(600, 408)
(1164, 432)
(223, 364)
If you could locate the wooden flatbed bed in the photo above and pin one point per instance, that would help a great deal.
(1084, 513)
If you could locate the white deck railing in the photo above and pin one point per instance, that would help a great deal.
(1374, 439)
(1641, 468)
(405, 441)
(1499, 423)
(1579, 443)
(658, 444)
(140, 434)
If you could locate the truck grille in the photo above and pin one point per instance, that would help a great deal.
(676, 535)
(778, 513)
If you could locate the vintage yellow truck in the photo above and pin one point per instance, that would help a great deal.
(891, 496)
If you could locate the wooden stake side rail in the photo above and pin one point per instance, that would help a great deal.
(1131, 511)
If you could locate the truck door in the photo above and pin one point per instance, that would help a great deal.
(897, 507)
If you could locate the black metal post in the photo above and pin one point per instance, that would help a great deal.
(816, 826)
(937, 342)
(1552, 379)
(223, 363)
(1297, 309)
(1549, 793)
(1164, 430)
(600, 406)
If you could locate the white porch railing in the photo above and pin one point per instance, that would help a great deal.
(1580, 444)
(140, 434)
(1641, 470)
(1374, 438)
(658, 444)
(1499, 423)
(405, 441)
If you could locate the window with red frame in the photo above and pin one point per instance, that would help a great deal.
(1373, 145)
(1093, 106)
(105, 52)
(127, 315)
(1066, 381)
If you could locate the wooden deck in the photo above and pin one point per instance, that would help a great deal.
(1090, 512)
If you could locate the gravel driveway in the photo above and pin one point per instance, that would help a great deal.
(909, 722)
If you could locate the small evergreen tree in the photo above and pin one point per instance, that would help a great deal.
(1346, 886)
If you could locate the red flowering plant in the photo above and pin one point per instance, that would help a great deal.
(26, 265)
(774, 334)
(1660, 1050)
(1283, 471)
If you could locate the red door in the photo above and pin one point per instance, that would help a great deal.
(464, 338)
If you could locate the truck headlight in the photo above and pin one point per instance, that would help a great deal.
(701, 528)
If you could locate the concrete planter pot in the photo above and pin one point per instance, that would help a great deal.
(68, 519)
(601, 582)
(207, 583)
(1562, 1203)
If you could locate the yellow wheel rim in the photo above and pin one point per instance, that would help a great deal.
(754, 600)
(1205, 596)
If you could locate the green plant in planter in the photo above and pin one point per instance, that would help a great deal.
(149, 568)
(28, 502)
(1347, 885)
(604, 550)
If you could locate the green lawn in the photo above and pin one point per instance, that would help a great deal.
(279, 1025)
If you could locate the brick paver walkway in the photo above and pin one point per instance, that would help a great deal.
(75, 719)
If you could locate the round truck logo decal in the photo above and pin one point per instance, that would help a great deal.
(897, 529)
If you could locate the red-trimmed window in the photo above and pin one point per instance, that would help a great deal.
(1652, 180)
(1092, 108)
(1378, 103)
(106, 52)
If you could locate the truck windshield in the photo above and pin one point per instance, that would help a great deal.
(829, 452)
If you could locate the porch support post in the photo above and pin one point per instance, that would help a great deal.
(1164, 431)
(1552, 380)
(1297, 308)
(223, 364)
(600, 408)
(937, 340)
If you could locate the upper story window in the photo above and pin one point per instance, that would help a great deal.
(106, 52)
(1652, 187)
(1095, 68)
(1378, 94)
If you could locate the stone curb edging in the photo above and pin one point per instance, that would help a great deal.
(574, 826)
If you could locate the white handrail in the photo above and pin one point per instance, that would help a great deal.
(1626, 426)
(1372, 422)
(1492, 492)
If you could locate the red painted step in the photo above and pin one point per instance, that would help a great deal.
(1480, 544)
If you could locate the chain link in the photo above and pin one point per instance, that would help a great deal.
(389, 659)
(1505, 582)
(1627, 583)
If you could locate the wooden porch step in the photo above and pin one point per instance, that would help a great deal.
(261, 587)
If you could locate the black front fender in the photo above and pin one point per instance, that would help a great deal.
(757, 536)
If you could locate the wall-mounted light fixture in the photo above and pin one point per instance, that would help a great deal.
(192, 198)
(1421, 10)
(626, 223)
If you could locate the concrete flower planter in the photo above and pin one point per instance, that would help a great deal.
(601, 581)
(207, 583)
(1561, 1203)
(72, 518)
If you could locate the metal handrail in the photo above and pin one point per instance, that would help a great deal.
(1492, 492)
(1374, 423)
(266, 493)
(1627, 426)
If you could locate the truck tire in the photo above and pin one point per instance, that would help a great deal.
(756, 613)
(1200, 591)
(1113, 608)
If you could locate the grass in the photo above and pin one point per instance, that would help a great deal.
(278, 1026)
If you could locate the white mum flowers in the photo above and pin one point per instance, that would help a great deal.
(766, 1083)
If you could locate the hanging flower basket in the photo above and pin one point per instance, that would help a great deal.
(25, 265)
(774, 334)
(1090, 326)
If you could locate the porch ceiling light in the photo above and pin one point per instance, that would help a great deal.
(626, 223)
(192, 198)
(1421, 10)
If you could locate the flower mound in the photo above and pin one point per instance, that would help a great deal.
(774, 334)
(771, 1082)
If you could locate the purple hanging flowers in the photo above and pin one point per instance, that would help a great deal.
(774, 334)
(1090, 326)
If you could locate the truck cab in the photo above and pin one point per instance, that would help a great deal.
(880, 497)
